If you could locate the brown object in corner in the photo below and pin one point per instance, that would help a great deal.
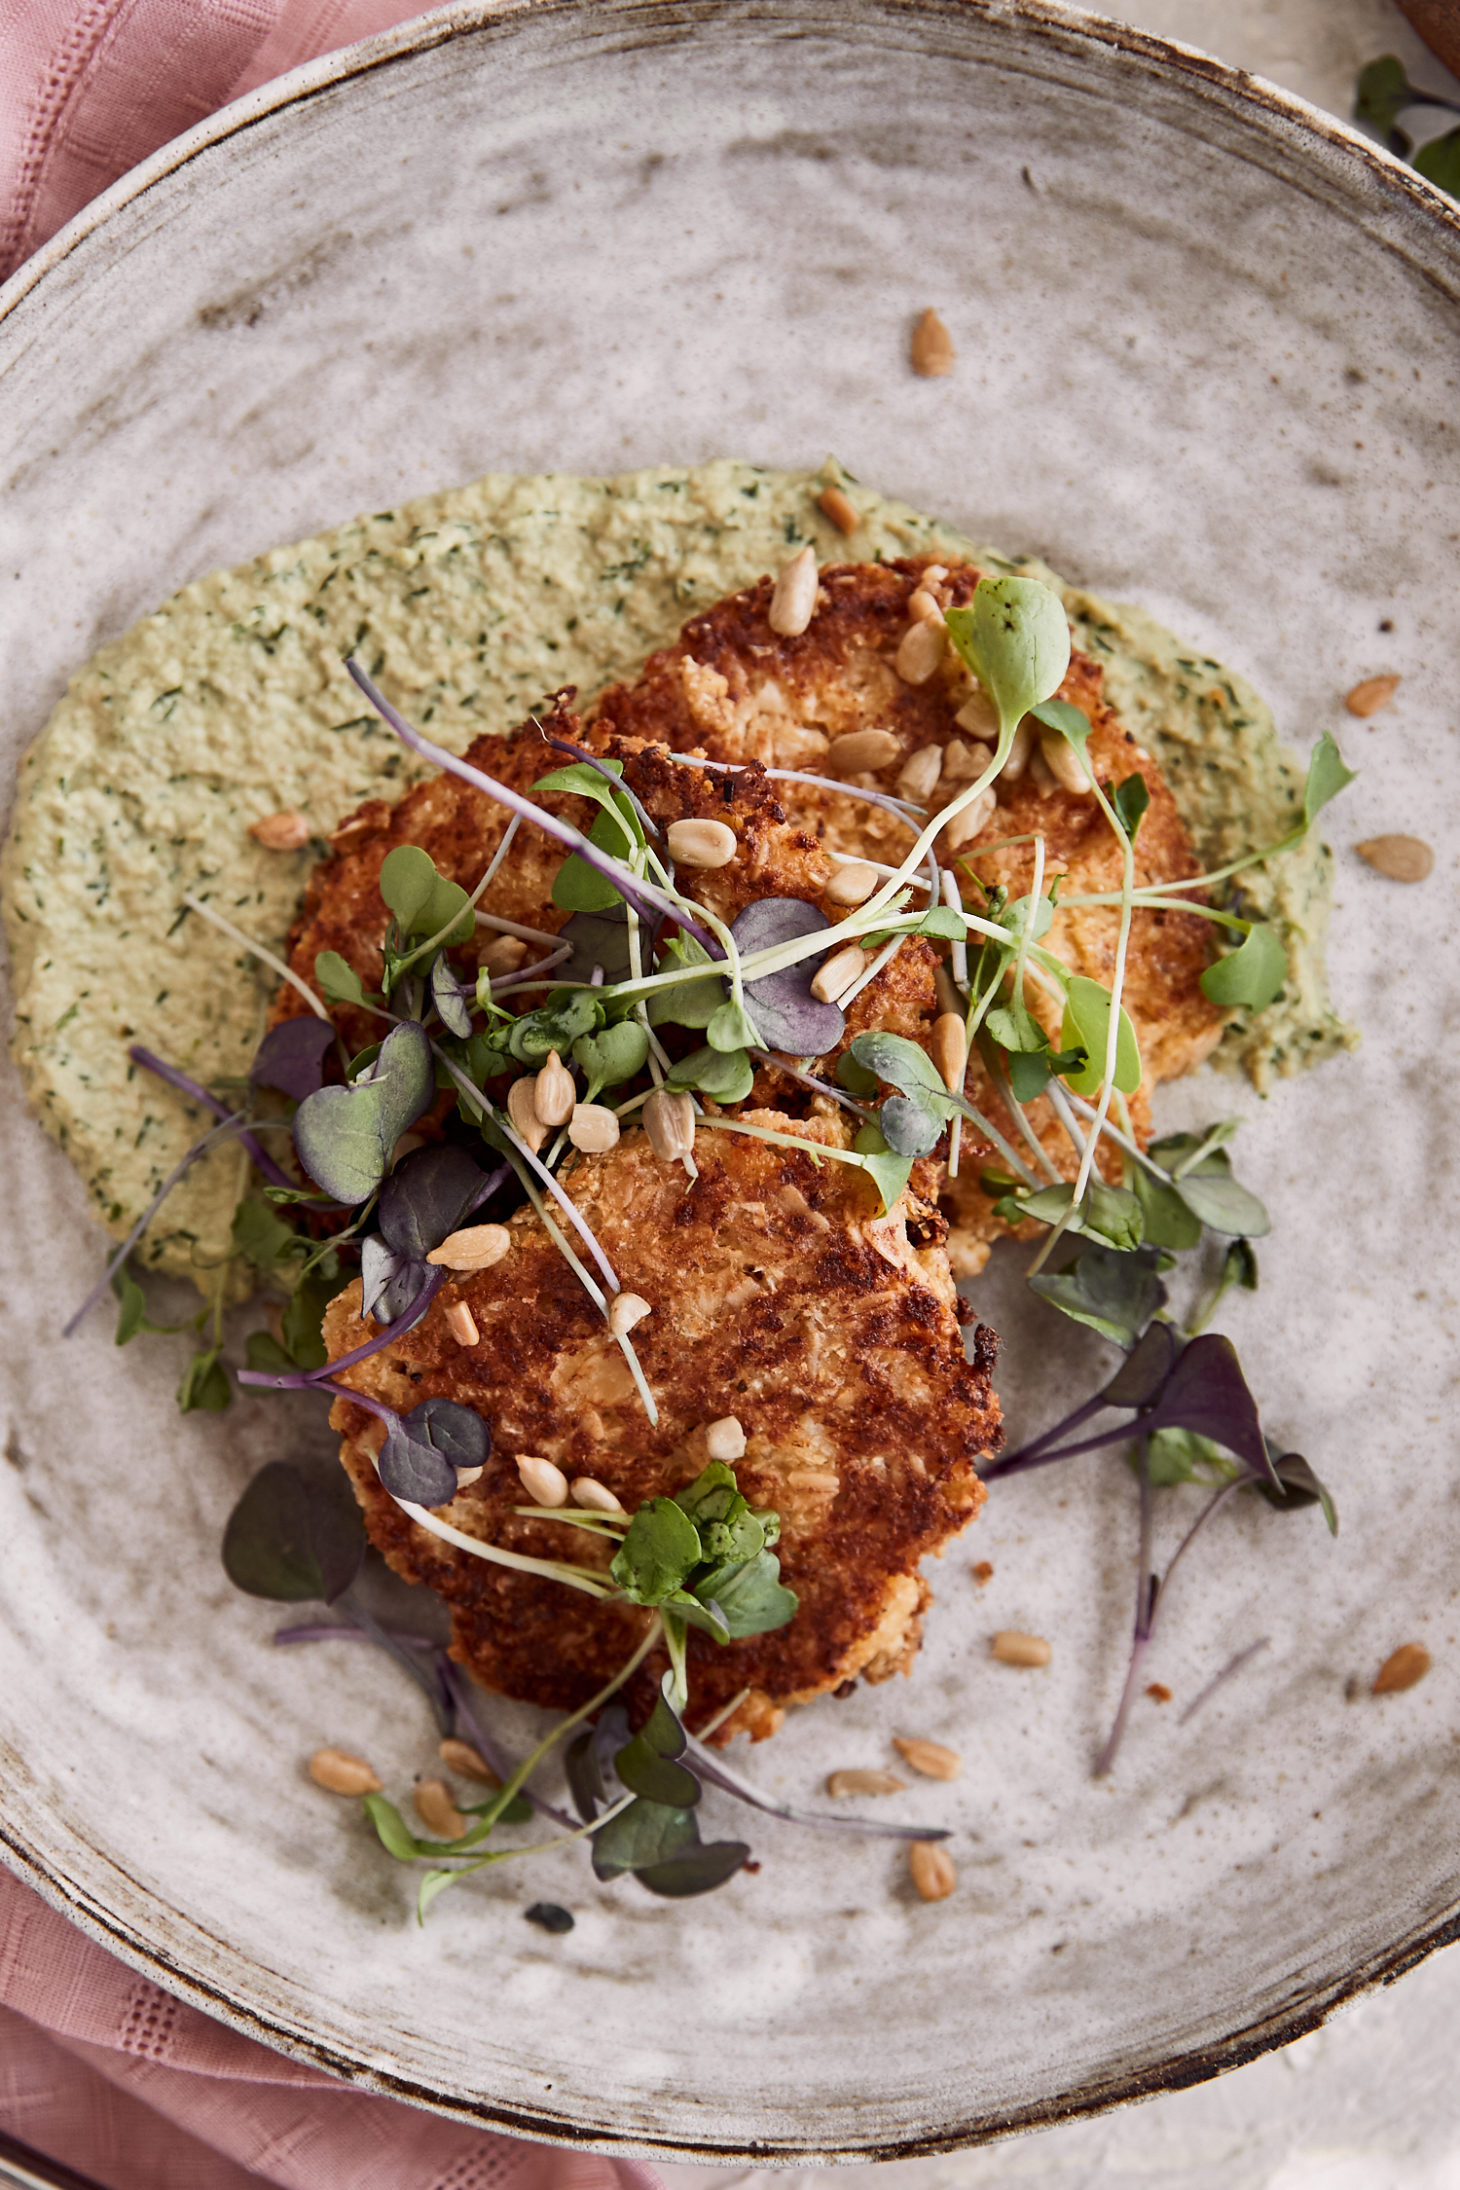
(1438, 23)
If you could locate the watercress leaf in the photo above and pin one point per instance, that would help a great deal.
(259, 1236)
(337, 981)
(1207, 1392)
(1130, 800)
(1167, 1220)
(1113, 1293)
(424, 1449)
(1087, 1026)
(303, 1317)
(1297, 1485)
(291, 1055)
(854, 1077)
(205, 1387)
(1252, 976)
(557, 1024)
(727, 1078)
(345, 1135)
(749, 1595)
(658, 1554)
(901, 1063)
(602, 939)
(1380, 97)
(781, 1004)
(730, 1028)
(428, 1197)
(293, 1537)
(423, 900)
(261, 1350)
(613, 1055)
(450, 998)
(644, 1833)
(909, 1127)
(1059, 715)
(579, 888)
(1223, 1205)
(132, 1315)
(1015, 638)
(697, 1870)
(1439, 162)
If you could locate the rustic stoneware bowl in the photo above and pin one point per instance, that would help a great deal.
(1207, 361)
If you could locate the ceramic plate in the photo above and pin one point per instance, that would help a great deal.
(1207, 361)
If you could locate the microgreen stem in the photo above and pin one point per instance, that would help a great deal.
(258, 950)
(260, 1158)
(709, 1767)
(555, 1570)
(865, 979)
(652, 1634)
(524, 934)
(299, 1380)
(828, 1088)
(219, 1133)
(460, 1690)
(1233, 1665)
(614, 871)
(600, 767)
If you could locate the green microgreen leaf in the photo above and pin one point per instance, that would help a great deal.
(260, 1237)
(855, 1077)
(1380, 96)
(345, 1136)
(262, 1351)
(732, 1028)
(910, 1126)
(613, 1055)
(725, 1077)
(1108, 1214)
(205, 1387)
(659, 1553)
(889, 1173)
(1072, 725)
(1183, 1456)
(1223, 1205)
(1168, 1220)
(1086, 1026)
(1015, 638)
(303, 1318)
(901, 1063)
(685, 1003)
(1297, 1485)
(749, 1595)
(1130, 800)
(557, 1024)
(1253, 975)
(424, 902)
(294, 1537)
(1326, 777)
(1439, 162)
(1111, 1292)
(337, 980)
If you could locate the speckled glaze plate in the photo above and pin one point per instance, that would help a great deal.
(1207, 361)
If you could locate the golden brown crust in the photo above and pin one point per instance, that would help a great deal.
(779, 1296)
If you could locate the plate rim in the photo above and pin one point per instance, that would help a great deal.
(1289, 119)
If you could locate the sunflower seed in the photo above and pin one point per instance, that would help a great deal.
(503, 955)
(961, 828)
(932, 1870)
(852, 884)
(1373, 693)
(475, 1247)
(1012, 1648)
(793, 603)
(625, 1310)
(859, 750)
(864, 1783)
(919, 653)
(950, 1049)
(1020, 751)
(593, 1128)
(468, 1763)
(462, 1324)
(286, 832)
(932, 352)
(437, 1810)
(840, 510)
(522, 1110)
(725, 1439)
(669, 1125)
(701, 843)
(918, 777)
(1401, 858)
(929, 1757)
(553, 1094)
(922, 607)
(838, 973)
(596, 1496)
(545, 1484)
(1065, 764)
(343, 1774)
(1401, 1669)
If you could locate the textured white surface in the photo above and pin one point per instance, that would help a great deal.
(1144, 448)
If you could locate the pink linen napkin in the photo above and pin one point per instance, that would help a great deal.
(98, 2067)
(102, 2069)
(90, 87)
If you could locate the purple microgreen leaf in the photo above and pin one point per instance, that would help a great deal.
(294, 1537)
(345, 1135)
(424, 1449)
(1207, 1392)
(318, 1380)
(390, 1282)
(786, 1014)
(453, 999)
(695, 1870)
(430, 1195)
(291, 1056)
(1298, 1486)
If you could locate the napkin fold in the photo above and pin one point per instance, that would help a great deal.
(90, 87)
(104, 2070)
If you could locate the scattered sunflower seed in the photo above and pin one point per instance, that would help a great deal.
(1370, 695)
(702, 843)
(725, 1439)
(932, 352)
(475, 1247)
(468, 1763)
(860, 750)
(437, 1810)
(793, 603)
(286, 832)
(545, 1483)
(930, 1758)
(864, 1783)
(840, 510)
(596, 1496)
(1012, 1648)
(1401, 858)
(932, 1870)
(343, 1774)
(1401, 1669)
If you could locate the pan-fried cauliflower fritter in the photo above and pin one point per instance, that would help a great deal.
(734, 689)
(780, 1297)
(461, 828)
